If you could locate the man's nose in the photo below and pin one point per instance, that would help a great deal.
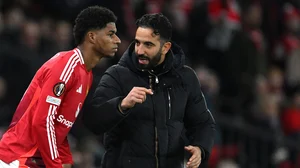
(140, 50)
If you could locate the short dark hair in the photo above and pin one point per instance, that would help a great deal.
(93, 17)
(159, 23)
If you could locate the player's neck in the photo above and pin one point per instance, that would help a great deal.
(89, 57)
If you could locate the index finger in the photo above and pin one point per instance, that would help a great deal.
(148, 91)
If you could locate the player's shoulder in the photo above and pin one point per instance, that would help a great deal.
(62, 65)
(65, 58)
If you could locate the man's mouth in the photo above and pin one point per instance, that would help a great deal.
(143, 61)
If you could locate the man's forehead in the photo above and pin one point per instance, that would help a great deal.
(146, 34)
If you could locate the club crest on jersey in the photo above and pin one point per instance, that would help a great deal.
(59, 89)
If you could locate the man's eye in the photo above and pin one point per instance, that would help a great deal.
(148, 44)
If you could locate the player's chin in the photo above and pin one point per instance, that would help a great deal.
(112, 54)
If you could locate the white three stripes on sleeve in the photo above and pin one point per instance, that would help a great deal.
(78, 52)
(65, 76)
(51, 132)
(72, 69)
(69, 68)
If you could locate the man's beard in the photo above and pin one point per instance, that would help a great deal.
(152, 62)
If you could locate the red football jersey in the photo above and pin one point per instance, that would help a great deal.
(38, 132)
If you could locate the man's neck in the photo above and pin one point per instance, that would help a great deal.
(89, 57)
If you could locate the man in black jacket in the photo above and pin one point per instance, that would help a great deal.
(150, 105)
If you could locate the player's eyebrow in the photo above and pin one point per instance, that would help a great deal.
(112, 31)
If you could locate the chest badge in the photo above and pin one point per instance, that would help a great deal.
(59, 89)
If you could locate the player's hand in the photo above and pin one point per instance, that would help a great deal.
(195, 159)
(136, 95)
(66, 165)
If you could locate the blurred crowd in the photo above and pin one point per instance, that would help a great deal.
(246, 54)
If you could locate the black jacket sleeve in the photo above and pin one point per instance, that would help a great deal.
(102, 112)
(198, 120)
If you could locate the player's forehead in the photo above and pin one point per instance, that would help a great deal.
(110, 27)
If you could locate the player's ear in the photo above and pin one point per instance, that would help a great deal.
(91, 37)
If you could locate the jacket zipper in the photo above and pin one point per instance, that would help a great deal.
(156, 134)
(155, 128)
(169, 103)
(156, 76)
(150, 83)
(156, 147)
(168, 91)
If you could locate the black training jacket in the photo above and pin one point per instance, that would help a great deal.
(152, 134)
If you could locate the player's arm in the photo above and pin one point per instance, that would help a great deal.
(52, 87)
(65, 153)
(198, 120)
(102, 112)
(67, 165)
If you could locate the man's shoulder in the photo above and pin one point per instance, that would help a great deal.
(117, 69)
(188, 71)
(189, 78)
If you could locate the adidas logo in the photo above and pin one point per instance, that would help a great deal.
(79, 90)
